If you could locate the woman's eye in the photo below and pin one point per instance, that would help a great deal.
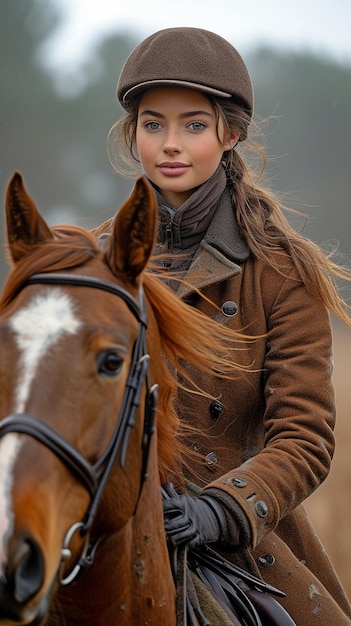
(153, 125)
(197, 125)
(109, 363)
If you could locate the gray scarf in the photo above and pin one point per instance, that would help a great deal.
(181, 230)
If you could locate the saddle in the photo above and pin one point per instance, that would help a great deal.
(212, 591)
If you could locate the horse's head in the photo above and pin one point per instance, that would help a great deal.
(77, 405)
(74, 376)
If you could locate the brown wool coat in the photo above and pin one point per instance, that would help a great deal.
(267, 443)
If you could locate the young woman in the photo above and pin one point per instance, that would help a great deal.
(267, 442)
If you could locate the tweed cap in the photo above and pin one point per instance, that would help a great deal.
(188, 57)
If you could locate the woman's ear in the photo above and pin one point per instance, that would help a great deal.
(232, 141)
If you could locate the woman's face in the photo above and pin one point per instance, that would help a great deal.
(178, 142)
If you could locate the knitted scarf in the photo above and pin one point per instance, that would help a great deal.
(182, 229)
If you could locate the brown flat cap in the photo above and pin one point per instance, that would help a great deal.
(189, 57)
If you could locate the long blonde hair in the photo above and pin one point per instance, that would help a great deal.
(259, 211)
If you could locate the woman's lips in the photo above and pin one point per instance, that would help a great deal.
(173, 169)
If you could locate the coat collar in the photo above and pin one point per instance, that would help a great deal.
(220, 252)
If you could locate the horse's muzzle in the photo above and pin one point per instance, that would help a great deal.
(20, 581)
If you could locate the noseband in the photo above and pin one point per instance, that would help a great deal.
(95, 476)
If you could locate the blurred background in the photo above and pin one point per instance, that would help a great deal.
(59, 64)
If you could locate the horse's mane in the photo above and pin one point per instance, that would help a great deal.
(70, 247)
(201, 342)
(188, 337)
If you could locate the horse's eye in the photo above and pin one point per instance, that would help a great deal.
(109, 363)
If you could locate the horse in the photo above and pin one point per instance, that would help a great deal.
(93, 347)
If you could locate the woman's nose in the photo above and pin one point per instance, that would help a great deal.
(172, 142)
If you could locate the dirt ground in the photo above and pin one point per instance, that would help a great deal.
(330, 506)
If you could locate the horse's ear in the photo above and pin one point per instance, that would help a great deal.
(25, 226)
(133, 234)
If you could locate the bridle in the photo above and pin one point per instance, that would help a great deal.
(95, 476)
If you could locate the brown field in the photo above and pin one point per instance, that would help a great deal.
(330, 506)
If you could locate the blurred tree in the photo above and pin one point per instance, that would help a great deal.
(57, 141)
(311, 99)
(27, 99)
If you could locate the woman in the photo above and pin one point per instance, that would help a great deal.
(267, 442)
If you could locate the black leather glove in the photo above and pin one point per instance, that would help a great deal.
(194, 521)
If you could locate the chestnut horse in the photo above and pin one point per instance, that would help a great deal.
(87, 338)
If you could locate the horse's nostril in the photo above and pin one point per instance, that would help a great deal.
(29, 572)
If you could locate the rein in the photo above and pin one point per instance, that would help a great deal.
(95, 476)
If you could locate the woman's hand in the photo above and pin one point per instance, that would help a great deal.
(194, 521)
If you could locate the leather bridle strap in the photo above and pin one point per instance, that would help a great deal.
(89, 281)
(32, 425)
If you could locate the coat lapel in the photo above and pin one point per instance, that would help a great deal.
(220, 251)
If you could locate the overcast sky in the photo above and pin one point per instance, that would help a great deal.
(321, 26)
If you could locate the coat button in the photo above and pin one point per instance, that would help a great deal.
(211, 459)
(266, 560)
(229, 308)
(261, 508)
(216, 409)
(239, 482)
